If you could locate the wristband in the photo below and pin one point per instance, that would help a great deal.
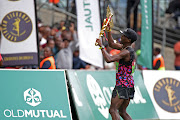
(102, 47)
(109, 30)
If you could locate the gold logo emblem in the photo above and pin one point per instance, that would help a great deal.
(16, 26)
(167, 94)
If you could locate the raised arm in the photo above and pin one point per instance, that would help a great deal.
(73, 44)
(113, 58)
(111, 40)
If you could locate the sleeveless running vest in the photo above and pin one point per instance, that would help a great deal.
(124, 77)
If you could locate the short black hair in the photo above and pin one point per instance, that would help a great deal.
(157, 50)
(65, 39)
(130, 34)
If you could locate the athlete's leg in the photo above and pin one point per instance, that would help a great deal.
(115, 104)
(122, 110)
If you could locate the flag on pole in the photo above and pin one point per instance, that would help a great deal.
(145, 58)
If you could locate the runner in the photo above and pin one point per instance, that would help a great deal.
(124, 88)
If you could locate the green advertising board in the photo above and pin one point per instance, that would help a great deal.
(141, 107)
(34, 94)
(92, 95)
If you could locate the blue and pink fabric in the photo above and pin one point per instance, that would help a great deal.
(124, 76)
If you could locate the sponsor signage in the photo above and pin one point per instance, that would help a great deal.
(34, 95)
(19, 36)
(88, 25)
(92, 92)
(164, 88)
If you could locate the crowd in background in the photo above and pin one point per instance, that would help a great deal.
(63, 44)
(62, 41)
(173, 11)
(60, 45)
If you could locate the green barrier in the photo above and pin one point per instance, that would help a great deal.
(32, 94)
(92, 94)
(141, 106)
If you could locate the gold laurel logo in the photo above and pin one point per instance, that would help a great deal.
(16, 26)
(166, 94)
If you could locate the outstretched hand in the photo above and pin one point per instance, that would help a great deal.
(108, 28)
(99, 42)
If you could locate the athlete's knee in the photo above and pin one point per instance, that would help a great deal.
(122, 113)
(112, 110)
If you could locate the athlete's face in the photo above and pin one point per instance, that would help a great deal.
(124, 39)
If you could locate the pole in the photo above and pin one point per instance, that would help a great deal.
(158, 12)
(164, 38)
(164, 35)
(53, 11)
(37, 37)
(152, 31)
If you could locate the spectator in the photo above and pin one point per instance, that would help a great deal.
(158, 63)
(77, 62)
(51, 43)
(45, 34)
(61, 28)
(62, 25)
(59, 44)
(177, 55)
(52, 33)
(65, 56)
(48, 62)
(41, 49)
(39, 22)
(174, 10)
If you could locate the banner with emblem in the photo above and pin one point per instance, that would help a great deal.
(88, 19)
(164, 90)
(18, 44)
